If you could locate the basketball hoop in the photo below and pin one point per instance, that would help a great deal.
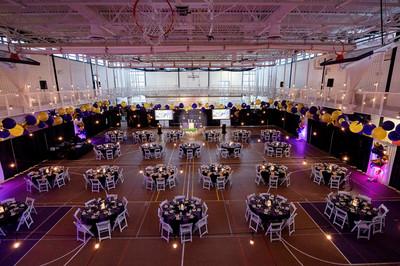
(154, 19)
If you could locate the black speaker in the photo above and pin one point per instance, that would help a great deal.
(329, 83)
(43, 84)
(281, 84)
(223, 129)
(159, 131)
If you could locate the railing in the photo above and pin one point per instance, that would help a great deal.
(232, 91)
(22, 103)
(370, 102)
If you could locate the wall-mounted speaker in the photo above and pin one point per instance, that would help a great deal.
(329, 83)
(43, 84)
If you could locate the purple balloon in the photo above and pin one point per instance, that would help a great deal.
(4, 133)
(367, 129)
(30, 120)
(181, 105)
(230, 104)
(294, 110)
(166, 107)
(50, 121)
(398, 128)
(394, 136)
(211, 106)
(194, 105)
(344, 124)
(313, 110)
(388, 125)
(9, 123)
(42, 124)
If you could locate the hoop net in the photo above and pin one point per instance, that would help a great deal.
(154, 19)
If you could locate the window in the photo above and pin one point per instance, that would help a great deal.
(137, 78)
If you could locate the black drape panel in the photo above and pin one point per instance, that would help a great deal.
(30, 150)
(338, 143)
(6, 159)
(395, 175)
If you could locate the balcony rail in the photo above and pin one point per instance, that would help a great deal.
(378, 103)
(21, 103)
(370, 102)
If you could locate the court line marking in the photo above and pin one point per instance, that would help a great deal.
(45, 233)
(322, 231)
(291, 253)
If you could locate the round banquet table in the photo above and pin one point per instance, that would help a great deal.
(102, 172)
(174, 133)
(269, 208)
(48, 173)
(116, 133)
(270, 133)
(189, 146)
(266, 169)
(231, 146)
(100, 211)
(211, 134)
(103, 148)
(144, 134)
(180, 212)
(11, 211)
(151, 147)
(329, 169)
(159, 171)
(241, 133)
(356, 208)
(215, 170)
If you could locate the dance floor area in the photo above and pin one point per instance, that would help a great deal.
(52, 238)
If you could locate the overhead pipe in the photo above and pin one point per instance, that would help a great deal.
(91, 49)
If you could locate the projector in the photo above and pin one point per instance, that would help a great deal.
(182, 10)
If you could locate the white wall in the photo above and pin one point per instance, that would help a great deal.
(25, 78)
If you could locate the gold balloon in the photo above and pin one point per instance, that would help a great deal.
(58, 120)
(17, 131)
(43, 116)
(61, 111)
(336, 114)
(133, 108)
(258, 102)
(69, 110)
(83, 108)
(326, 118)
(377, 133)
(356, 127)
(123, 104)
(271, 101)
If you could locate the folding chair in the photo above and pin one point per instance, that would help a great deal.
(103, 230)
